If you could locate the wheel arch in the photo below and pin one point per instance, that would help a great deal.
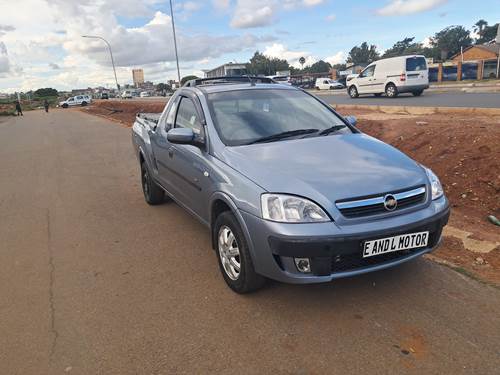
(221, 202)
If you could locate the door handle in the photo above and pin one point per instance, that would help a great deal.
(171, 152)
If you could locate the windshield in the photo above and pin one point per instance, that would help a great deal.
(245, 116)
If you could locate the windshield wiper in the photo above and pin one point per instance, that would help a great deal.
(331, 129)
(278, 136)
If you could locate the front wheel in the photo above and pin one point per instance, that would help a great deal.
(153, 194)
(234, 258)
(65, 106)
(417, 93)
(391, 90)
(84, 104)
(353, 92)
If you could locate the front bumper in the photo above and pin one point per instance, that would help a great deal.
(335, 251)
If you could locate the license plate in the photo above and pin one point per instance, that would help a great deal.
(396, 243)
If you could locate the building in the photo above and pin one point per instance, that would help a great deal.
(475, 62)
(229, 69)
(138, 77)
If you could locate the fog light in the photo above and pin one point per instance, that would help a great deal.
(303, 264)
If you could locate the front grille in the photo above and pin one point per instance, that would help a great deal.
(354, 261)
(375, 205)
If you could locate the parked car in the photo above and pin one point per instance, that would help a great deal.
(327, 84)
(81, 100)
(127, 94)
(391, 76)
(289, 189)
(281, 79)
(144, 94)
(104, 95)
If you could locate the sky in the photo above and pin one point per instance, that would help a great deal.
(41, 43)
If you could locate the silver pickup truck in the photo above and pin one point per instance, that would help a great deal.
(289, 189)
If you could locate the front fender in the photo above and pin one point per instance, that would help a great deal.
(236, 212)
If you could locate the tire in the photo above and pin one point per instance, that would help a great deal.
(232, 252)
(391, 91)
(64, 106)
(353, 92)
(153, 194)
(417, 93)
(377, 95)
(317, 88)
(84, 104)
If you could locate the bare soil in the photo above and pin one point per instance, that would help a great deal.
(464, 151)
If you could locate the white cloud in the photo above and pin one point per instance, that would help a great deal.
(51, 36)
(405, 7)
(257, 13)
(337, 58)
(221, 4)
(280, 51)
(331, 17)
(4, 59)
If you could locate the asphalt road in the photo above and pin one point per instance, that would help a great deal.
(428, 99)
(94, 281)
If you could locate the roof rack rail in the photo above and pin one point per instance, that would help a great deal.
(228, 80)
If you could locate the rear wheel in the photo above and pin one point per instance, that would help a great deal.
(391, 90)
(153, 194)
(84, 104)
(353, 92)
(417, 93)
(234, 258)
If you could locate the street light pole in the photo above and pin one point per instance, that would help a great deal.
(110, 52)
(175, 42)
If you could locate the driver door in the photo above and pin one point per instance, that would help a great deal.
(366, 81)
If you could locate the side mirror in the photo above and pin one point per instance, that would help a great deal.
(351, 120)
(181, 136)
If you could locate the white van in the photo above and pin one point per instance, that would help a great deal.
(127, 94)
(327, 84)
(391, 76)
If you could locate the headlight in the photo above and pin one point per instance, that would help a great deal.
(291, 209)
(436, 188)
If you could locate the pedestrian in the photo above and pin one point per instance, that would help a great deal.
(18, 108)
(46, 105)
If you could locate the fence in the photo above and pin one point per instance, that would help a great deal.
(462, 71)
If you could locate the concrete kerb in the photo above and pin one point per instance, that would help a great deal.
(419, 111)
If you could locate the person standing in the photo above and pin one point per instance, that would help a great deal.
(46, 105)
(19, 109)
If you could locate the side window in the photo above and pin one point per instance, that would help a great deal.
(71, 99)
(170, 118)
(79, 97)
(187, 117)
(326, 82)
(368, 72)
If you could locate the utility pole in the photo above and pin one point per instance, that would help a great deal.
(175, 42)
(110, 52)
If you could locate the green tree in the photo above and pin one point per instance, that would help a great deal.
(487, 34)
(449, 40)
(188, 78)
(261, 64)
(363, 54)
(40, 93)
(479, 26)
(319, 67)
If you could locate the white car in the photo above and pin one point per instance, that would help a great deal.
(391, 76)
(286, 80)
(81, 100)
(144, 94)
(127, 94)
(327, 84)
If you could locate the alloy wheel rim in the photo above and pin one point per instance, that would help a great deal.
(229, 253)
